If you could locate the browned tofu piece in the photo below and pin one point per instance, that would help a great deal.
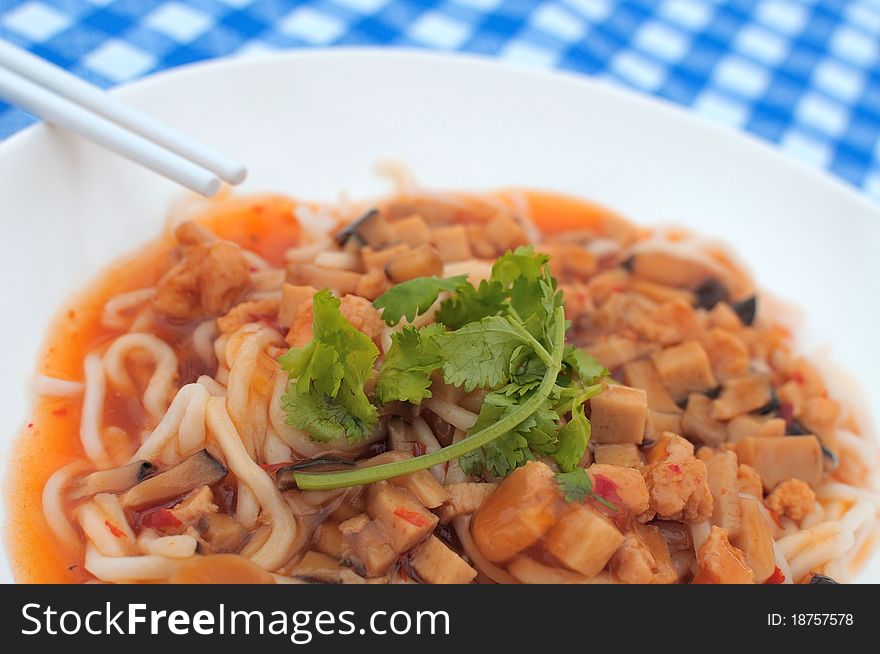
(719, 562)
(659, 422)
(371, 545)
(378, 259)
(749, 425)
(628, 484)
(435, 563)
(660, 292)
(618, 415)
(614, 351)
(755, 540)
(481, 245)
(684, 369)
(583, 540)
(329, 540)
(698, 423)
(292, 297)
(670, 268)
(741, 395)
(452, 243)
(407, 521)
(618, 454)
(424, 486)
(780, 459)
(644, 558)
(341, 282)
(412, 230)
(578, 262)
(642, 374)
(727, 353)
(517, 514)
(723, 470)
(423, 261)
(506, 233)
(464, 498)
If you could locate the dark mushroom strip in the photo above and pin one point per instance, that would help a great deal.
(747, 310)
(284, 477)
(710, 293)
(114, 480)
(818, 579)
(321, 568)
(371, 229)
(201, 469)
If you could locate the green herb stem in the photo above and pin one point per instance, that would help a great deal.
(344, 479)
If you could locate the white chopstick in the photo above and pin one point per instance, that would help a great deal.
(67, 101)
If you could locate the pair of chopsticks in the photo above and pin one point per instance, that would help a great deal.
(62, 99)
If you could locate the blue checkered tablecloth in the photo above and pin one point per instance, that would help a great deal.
(804, 75)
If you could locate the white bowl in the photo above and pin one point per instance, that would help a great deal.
(314, 123)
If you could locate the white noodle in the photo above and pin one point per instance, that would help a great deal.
(455, 415)
(45, 386)
(123, 303)
(53, 504)
(808, 549)
(92, 410)
(283, 524)
(431, 444)
(173, 547)
(203, 341)
(170, 424)
(161, 382)
(126, 569)
(213, 387)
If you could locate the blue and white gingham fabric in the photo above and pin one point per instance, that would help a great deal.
(804, 75)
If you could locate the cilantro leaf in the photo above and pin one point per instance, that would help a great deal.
(415, 296)
(479, 354)
(470, 304)
(326, 395)
(575, 486)
(583, 365)
(573, 439)
(522, 263)
(406, 371)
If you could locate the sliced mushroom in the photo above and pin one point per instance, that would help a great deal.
(114, 480)
(285, 477)
(371, 229)
(324, 569)
(201, 469)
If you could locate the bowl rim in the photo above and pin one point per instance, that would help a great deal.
(602, 85)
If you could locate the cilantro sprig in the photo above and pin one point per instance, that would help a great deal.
(507, 337)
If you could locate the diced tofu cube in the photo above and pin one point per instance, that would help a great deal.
(672, 269)
(517, 514)
(698, 423)
(435, 563)
(464, 498)
(506, 233)
(780, 459)
(341, 282)
(618, 415)
(722, 469)
(378, 259)
(741, 395)
(407, 521)
(481, 245)
(684, 369)
(452, 243)
(744, 426)
(658, 423)
(614, 351)
(642, 374)
(412, 230)
(329, 540)
(727, 352)
(423, 261)
(579, 262)
(372, 546)
(424, 486)
(583, 540)
(618, 454)
(291, 298)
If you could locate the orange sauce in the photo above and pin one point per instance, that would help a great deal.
(50, 438)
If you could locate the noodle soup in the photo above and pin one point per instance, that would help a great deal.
(513, 387)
